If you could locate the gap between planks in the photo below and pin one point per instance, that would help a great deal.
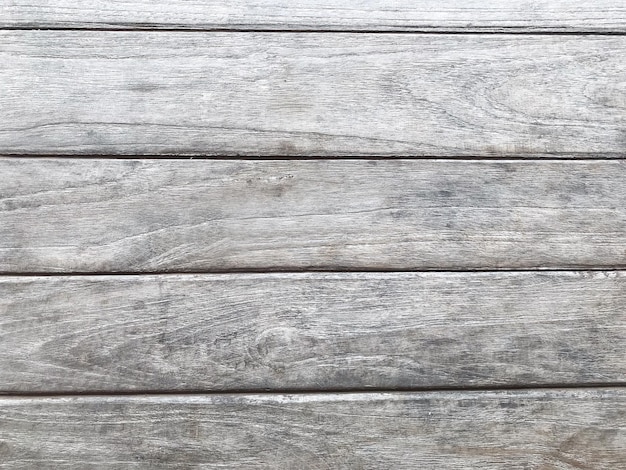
(412, 31)
(227, 272)
(544, 157)
(320, 391)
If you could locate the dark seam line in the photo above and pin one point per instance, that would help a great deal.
(495, 30)
(538, 157)
(320, 391)
(338, 270)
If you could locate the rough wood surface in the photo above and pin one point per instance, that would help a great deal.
(316, 94)
(566, 430)
(311, 331)
(371, 15)
(100, 215)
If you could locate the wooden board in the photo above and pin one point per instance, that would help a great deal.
(330, 15)
(551, 429)
(311, 331)
(84, 215)
(311, 94)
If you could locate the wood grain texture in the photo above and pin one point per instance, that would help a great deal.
(330, 15)
(102, 215)
(311, 331)
(567, 429)
(311, 94)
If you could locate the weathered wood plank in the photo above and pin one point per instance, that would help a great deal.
(311, 331)
(311, 94)
(566, 429)
(372, 15)
(100, 215)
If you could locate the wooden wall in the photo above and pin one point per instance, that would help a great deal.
(313, 234)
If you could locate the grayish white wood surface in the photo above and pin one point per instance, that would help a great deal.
(134, 371)
(311, 94)
(370, 15)
(99, 215)
(552, 429)
(311, 331)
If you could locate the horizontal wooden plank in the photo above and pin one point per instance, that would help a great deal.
(100, 215)
(317, 331)
(330, 15)
(311, 94)
(566, 429)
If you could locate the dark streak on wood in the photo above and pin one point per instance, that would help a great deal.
(326, 15)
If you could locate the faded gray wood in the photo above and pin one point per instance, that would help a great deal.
(99, 215)
(371, 15)
(311, 331)
(549, 429)
(298, 94)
